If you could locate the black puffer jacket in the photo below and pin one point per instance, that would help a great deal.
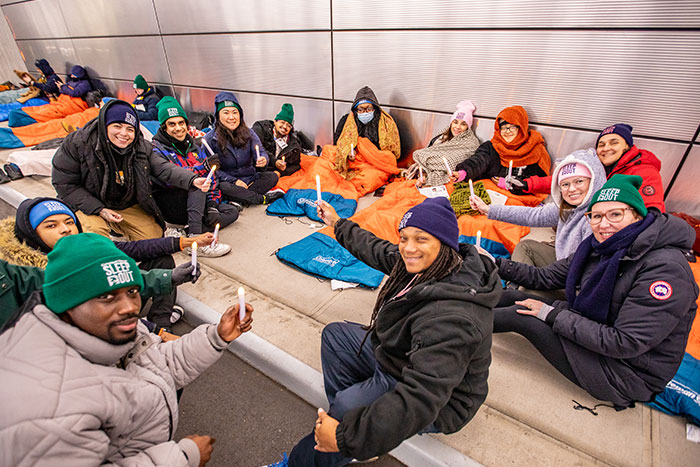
(80, 170)
(435, 340)
(638, 350)
(292, 153)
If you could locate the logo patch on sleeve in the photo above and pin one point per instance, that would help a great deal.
(648, 190)
(661, 290)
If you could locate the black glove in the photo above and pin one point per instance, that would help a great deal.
(183, 273)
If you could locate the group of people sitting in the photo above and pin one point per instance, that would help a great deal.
(609, 304)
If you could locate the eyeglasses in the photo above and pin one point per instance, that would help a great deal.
(578, 183)
(509, 127)
(614, 216)
(365, 108)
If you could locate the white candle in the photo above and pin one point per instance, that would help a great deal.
(510, 169)
(194, 258)
(471, 187)
(420, 173)
(257, 151)
(206, 145)
(447, 166)
(318, 189)
(241, 304)
(478, 238)
(216, 235)
(211, 173)
(352, 151)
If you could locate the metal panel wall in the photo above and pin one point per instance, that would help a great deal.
(109, 17)
(59, 52)
(234, 16)
(124, 57)
(297, 64)
(584, 79)
(36, 20)
(684, 193)
(395, 14)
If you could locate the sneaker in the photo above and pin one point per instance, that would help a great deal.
(236, 205)
(371, 459)
(13, 171)
(177, 313)
(272, 196)
(283, 463)
(220, 249)
(174, 232)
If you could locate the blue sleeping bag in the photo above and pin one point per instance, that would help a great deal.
(6, 108)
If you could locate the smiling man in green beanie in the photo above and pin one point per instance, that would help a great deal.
(282, 143)
(84, 383)
(147, 98)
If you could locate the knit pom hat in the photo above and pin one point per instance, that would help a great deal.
(140, 83)
(435, 216)
(226, 99)
(169, 107)
(621, 129)
(84, 266)
(44, 66)
(286, 114)
(465, 111)
(622, 188)
(121, 112)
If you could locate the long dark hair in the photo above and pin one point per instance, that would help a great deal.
(447, 261)
(238, 137)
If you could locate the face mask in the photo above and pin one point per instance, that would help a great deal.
(366, 117)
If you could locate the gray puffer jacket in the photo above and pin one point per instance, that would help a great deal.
(69, 398)
(572, 230)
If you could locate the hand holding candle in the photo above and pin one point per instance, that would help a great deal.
(351, 156)
(471, 188)
(194, 258)
(241, 304)
(210, 175)
(259, 161)
(318, 190)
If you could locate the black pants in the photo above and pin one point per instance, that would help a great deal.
(162, 305)
(193, 208)
(539, 333)
(254, 193)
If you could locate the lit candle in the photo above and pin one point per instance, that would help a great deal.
(447, 166)
(510, 169)
(206, 145)
(318, 189)
(283, 158)
(471, 187)
(257, 151)
(241, 304)
(216, 235)
(478, 238)
(194, 258)
(211, 173)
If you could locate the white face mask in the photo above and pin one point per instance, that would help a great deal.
(366, 117)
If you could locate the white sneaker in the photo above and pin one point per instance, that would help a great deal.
(177, 313)
(220, 249)
(174, 232)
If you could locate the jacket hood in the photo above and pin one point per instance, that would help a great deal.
(226, 96)
(44, 66)
(365, 93)
(15, 251)
(78, 71)
(667, 231)
(23, 230)
(590, 160)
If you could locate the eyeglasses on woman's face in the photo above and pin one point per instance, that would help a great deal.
(577, 183)
(614, 216)
(508, 128)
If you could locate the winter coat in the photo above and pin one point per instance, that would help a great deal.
(296, 141)
(236, 163)
(87, 402)
(486, 163)
(638, 350)
(78, 86)
(572, 230)
(50, 87)
(80, 171)
(435, 340)
(148, 100)
(16, 285)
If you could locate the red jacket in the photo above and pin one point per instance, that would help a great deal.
(634, 162)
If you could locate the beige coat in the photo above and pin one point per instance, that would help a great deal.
(69, 398)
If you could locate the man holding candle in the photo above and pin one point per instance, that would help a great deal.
(421, 364)
(238, 156)
(200, 211)
(108, 387)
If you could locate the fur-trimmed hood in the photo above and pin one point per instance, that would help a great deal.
(15, 252)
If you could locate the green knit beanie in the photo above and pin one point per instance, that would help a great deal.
(140, 83)
(84, 266)
(169, 107)
(286, 114)
(227, 103)
(622, 188)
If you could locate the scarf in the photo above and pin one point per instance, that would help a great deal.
(456, 150)
(388, 141)
(593, 301)
(528, 146)
(459, 199)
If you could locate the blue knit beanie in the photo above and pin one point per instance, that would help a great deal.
(435, 216)
(46, 209)
(621, 129)
(121, 112)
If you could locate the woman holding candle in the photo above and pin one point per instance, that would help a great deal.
(514, 152)
(421, 364)
(239, 156)
(630, 299)
(200, 211)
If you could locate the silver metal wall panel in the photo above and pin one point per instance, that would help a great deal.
(124, 57)
(581, 79)
(36, 20)
(313, 117)
(684, 193)
(400, 14)
(185, 16)
(10, 57)
(296, 64)
(59, 52)
(109, 17)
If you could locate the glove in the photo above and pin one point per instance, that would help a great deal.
(183, 274)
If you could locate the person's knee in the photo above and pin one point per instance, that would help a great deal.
(331, 333)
